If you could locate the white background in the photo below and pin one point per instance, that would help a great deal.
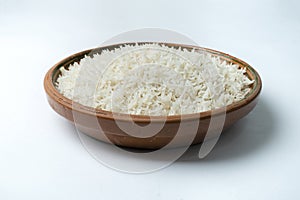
(41, 156)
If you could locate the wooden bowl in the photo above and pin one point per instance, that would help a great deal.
(85, 117)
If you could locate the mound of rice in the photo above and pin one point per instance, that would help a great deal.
(153, 79)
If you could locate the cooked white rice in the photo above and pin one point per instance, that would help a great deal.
(152, 79)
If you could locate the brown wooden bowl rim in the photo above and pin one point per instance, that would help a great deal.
(58, 97)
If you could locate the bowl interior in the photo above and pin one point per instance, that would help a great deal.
(250, 72)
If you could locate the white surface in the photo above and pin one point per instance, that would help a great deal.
(41, 156)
